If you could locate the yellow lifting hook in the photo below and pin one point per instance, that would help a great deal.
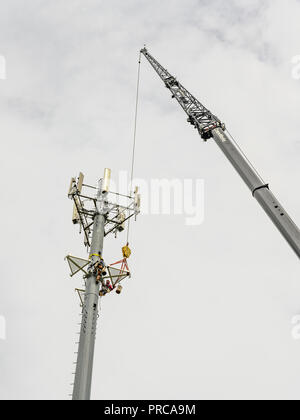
(126, 251)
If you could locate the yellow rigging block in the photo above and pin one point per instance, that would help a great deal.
(126, 251)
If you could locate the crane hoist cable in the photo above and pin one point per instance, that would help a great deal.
(134, 136)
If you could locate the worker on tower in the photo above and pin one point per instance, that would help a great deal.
(109, 285)
(100, 270)
(106, 287)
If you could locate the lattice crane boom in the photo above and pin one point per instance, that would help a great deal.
(199, 116)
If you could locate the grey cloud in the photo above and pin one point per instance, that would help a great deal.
(219, 325)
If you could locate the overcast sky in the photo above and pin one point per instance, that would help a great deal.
(208, 310)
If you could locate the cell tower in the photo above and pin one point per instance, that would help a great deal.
(97, 216)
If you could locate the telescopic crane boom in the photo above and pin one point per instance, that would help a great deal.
(209, 126)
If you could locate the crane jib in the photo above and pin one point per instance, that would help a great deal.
(209, 126)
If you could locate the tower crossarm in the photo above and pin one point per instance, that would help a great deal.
(199, 116)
